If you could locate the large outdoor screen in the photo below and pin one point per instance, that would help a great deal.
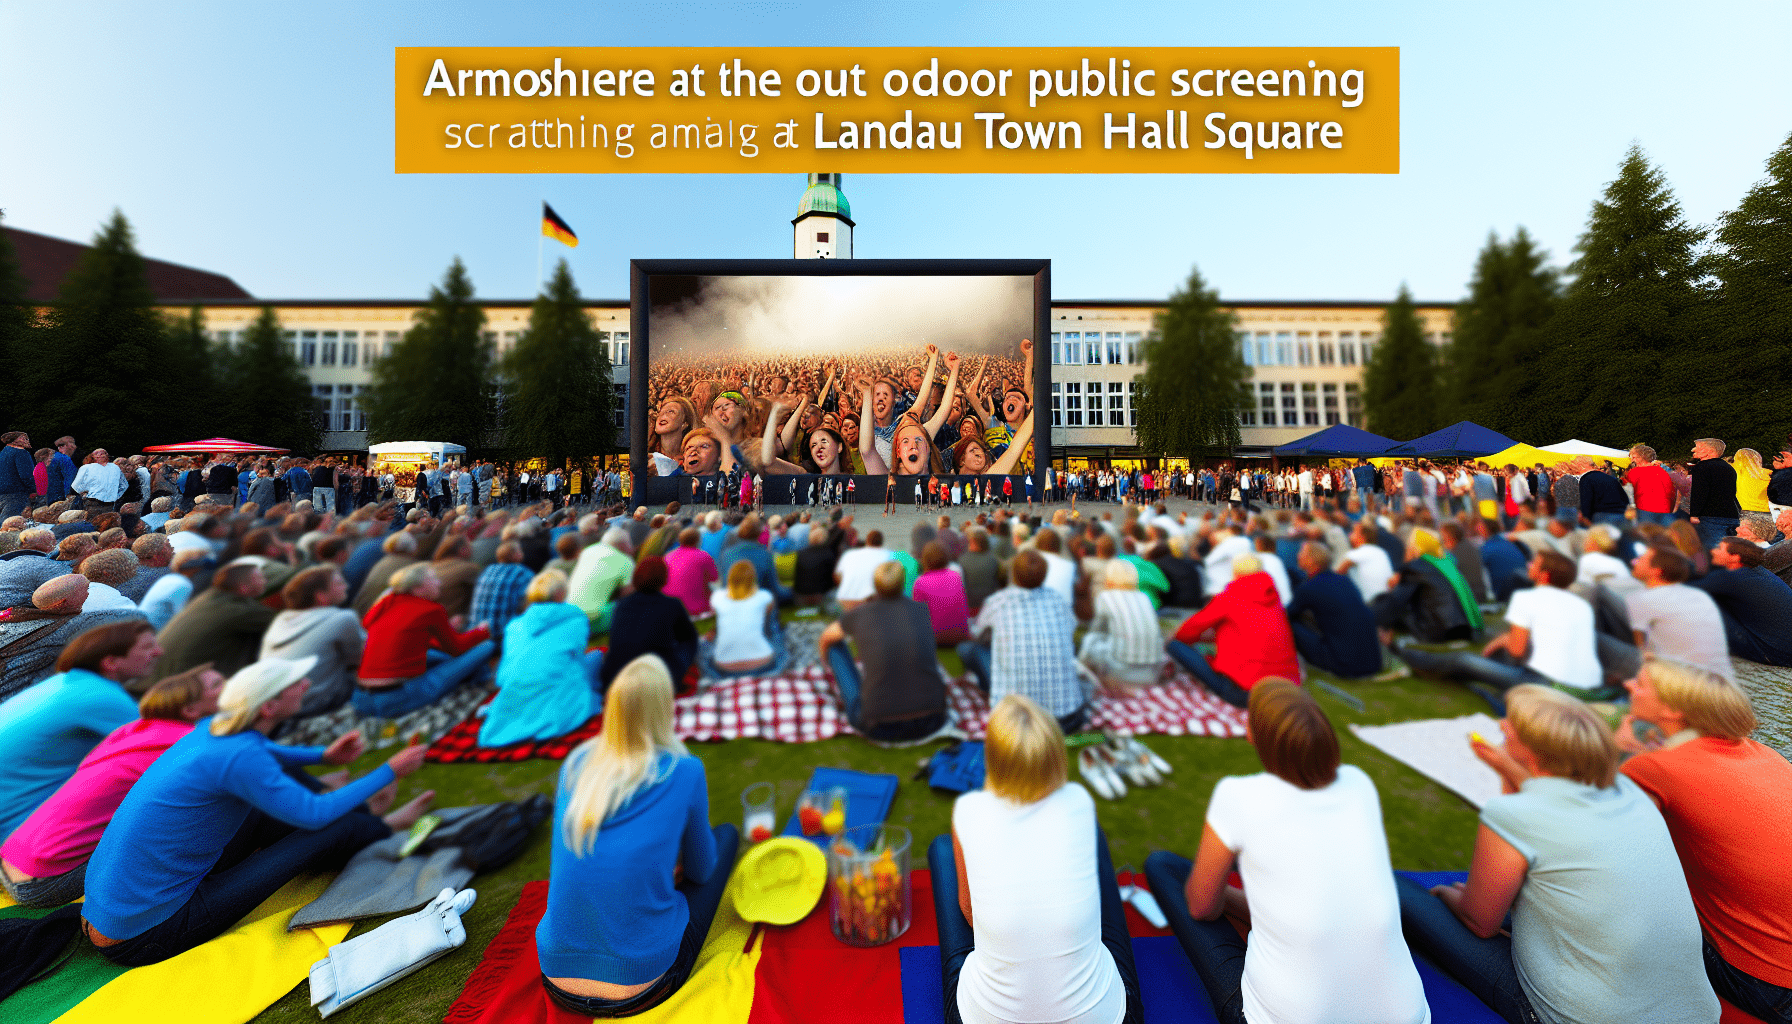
(813, 368)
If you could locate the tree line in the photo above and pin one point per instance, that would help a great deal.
(1659, 331)
(103, 363)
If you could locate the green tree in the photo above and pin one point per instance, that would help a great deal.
(17, 318)
(1400, 384)
(436, 384)
(557, 393)
(1627, 349)
(1497, 334)
(267, 398)
(1195, 376)
(1753, 263)
(193, 361)
(100, 369)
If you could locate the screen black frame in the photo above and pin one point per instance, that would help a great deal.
(641, 273)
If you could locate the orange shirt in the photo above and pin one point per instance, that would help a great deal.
(1726, 804)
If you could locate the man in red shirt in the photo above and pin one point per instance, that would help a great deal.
(1251, 636)
(1656, 497)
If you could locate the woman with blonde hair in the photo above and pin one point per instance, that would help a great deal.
(1318, 905)
(1030, 919)
(675, 418)
(748, 637)
(1751, 480)
(1603, 925)
(547, 683)
(1724, 798)
(637, 872)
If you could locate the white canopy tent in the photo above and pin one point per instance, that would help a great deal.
(1575, 446)
(416, 450)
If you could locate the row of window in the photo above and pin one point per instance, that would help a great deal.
(351, 348)
(1093, 348)
(1304, 348)
(1074, 401)
(1302, 405)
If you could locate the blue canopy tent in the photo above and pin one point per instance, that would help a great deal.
(1338, 441)
(1458, 441)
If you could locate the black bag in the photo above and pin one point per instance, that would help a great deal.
(493, 838)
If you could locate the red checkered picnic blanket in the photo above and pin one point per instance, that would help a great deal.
(1178, 706)
(795, 707)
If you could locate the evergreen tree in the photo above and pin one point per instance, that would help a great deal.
(1627, 349)
(557, 393)
(193, 362)
(1400, 384)
(267, 395)
(17, 318)
(1195, 376)
(436, 384)
(100, 369)
(1497, 337)
(1754, 313)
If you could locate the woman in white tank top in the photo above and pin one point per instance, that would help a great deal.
(1030, 920)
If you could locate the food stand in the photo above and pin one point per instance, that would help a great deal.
(405, 459)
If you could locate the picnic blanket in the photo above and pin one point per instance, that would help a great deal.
(801, 974)
(1438, 749)
(803, 706)
(228, 980)
(429, 723)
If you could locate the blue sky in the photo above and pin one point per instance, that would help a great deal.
(255, 139)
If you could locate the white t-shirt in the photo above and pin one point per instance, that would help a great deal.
(1272, 564)
(855, 568)
(1683, 623)
(740, 626)
(1036, 902)
(1217, 567)
(1325, 944)
(1370, 570)
(1599, 567)
(102, 597)
(1563, 644)
(1060, 575)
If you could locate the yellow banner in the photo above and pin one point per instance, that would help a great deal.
(895, 110)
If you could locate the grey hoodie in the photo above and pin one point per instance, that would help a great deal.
(335, 636)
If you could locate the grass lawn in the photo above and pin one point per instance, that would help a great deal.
(1428, 827)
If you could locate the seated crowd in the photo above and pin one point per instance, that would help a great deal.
(152, 671)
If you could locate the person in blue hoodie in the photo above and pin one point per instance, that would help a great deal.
(18, 480)
(547, 684)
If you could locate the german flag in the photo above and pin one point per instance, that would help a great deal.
(555, 228)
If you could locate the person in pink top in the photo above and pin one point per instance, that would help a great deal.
(44, 861)
(689, 572)
(942, 591)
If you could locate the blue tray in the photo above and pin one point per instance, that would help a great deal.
(868, 799)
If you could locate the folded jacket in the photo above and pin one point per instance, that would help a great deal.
(363, 965)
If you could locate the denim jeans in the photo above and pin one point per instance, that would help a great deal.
(774, 635)
(1222, 686)
(851, 687)
(1214, 947)
(53, 891)
(1501, 672)
(1715, 528)
(1746, 992)
(264, 855)
(1483, 966)
(426, 689)
(976, 658)
(1659, 518)
(1615, 520)
(957, 938)
(702, 899)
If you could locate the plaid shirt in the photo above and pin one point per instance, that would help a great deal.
(1032, 650)
(498, 596)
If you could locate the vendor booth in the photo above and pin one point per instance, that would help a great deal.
(1575, 446)
(405, 459)
(1463, 440)
(1338, 441)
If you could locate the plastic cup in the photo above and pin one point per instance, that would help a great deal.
(759, 812)
(810, 808)
(870, 902)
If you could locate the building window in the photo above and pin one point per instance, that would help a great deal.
(1057, 348)
(1247, 417)
(1092, 348)
(308, 348)
(1366, 347)
(1114, 348)
(292, 342)
(1347, 348)
(328, 357)
(1134, 339)
(1309, 405)
(1330, 392)
(1304, 346)
(1284, 348)
(320, 404)
(1290, 410)
(621, 407)
(1073, 404)
(1328, 353)
(1057, 406)
(821, 236)
(1246, 349)
(1266, 353)
(1132, 397)
(1116, 404)
(1073, 348)
(1353, 405)
(621, 349)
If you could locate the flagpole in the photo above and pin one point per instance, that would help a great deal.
(540, 241)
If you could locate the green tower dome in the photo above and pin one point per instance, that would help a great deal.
(823, 196)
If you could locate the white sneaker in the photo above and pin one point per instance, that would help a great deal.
(1099, 775)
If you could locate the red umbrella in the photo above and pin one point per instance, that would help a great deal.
(217, 444)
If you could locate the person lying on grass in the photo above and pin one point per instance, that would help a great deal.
(225, 817)
(1603, 926)
(1315, 933)
(1030, 919)
(637, 872)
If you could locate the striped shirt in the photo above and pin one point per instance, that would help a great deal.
(1127, 616)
